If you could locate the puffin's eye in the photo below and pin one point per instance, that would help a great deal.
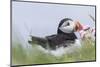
(68, 24)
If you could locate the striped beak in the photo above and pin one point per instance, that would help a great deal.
(78, 26)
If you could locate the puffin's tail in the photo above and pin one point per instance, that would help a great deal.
(38, 41)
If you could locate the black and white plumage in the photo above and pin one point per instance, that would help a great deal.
(64, 38)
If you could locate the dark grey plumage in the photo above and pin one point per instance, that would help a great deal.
(56, 40)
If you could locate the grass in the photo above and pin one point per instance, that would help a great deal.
(20, 56)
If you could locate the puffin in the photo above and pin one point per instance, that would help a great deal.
(64, 38)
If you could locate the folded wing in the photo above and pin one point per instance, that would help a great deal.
(39, 41)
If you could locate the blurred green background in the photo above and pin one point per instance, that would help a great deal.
(21, 56)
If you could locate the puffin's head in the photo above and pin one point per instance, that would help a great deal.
(67, 25)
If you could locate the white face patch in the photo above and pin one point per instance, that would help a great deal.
(67, 27)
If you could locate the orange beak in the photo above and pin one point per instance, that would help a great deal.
(78, 26)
